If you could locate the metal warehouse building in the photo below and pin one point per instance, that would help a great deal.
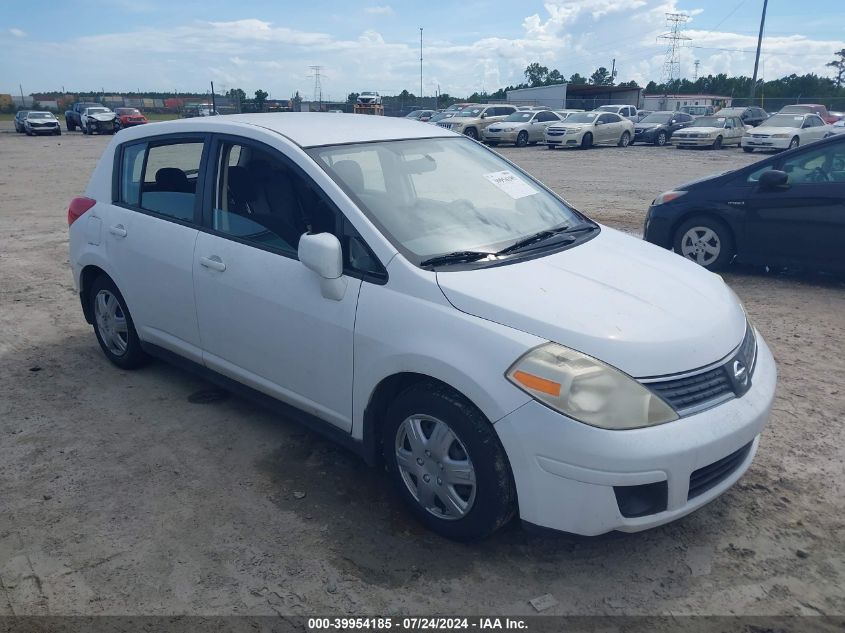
(675, 102)
(581, 96)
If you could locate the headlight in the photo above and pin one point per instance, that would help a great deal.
(780, 135)
(667, 196)
(587, 389)
(575, 129)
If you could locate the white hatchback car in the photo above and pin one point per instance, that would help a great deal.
(422, 300)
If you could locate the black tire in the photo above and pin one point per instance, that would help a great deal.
(472, 133)
(624, 140)
(722, 233)
(133, 356)
(795, 142)
(84, 129)
(587, 141)
(29, 133)
(58, 131)
(661, 139)
(494, 501)
(71, 127)
(551, 146)
(522, 139)
(748, 150)
(717, 144)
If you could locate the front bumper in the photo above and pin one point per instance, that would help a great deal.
(694, 142)
(645, 137)
(571, 139)
(565, 471)
(501, 137)
(765, 143)
(43, 130)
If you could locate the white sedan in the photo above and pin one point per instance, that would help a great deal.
(428, 304)
(711, 131)
(785, 131)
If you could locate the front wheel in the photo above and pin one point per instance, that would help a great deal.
(447, 463)
(624, 140)
(661, 139)
(472, 133)
(587, 141)
(706, 241)
(795, 142)
(113, 325)
(70, 126)
(522, 139)
(717, 144)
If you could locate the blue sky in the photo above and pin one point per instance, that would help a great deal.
(470, 45)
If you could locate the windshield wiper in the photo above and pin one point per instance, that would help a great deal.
(455, 258)
(542, 236)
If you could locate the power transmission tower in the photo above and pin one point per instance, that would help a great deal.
(318, 89)
(675, 37)
(697, 64)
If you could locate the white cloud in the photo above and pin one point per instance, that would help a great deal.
(572, 36)
(17, 32)
(380, 10)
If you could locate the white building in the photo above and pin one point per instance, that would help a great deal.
(676, 102)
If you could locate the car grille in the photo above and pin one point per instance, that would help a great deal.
(712, 475)
(760, 136)
(694, 392)
(555, 132)
(495, 130)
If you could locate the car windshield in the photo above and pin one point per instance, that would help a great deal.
(658, 117)
(796, 109)
(582, 117)
(710, 121)
(783, 120)
(435, 196)
(471, 112)
(608, 109)
(519, 117)
(127, 111)
(440, 116)
(39, 115)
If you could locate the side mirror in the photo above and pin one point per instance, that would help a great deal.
(773, 179)
(483, 115)
(322, 253)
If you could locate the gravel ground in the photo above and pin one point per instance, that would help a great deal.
(120, 493)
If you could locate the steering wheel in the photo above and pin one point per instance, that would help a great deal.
(818, 175)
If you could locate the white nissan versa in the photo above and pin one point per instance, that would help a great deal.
(419, 298)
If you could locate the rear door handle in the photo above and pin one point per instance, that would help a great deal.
(213, 262)
(118, 230)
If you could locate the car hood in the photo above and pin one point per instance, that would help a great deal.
(700, 130)
(565, 125)
(649, 126)
(102, 116)
(628, 303)
(768, 131)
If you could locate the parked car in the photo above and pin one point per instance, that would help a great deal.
(809, 108)
(520, 128)
(99, 119)
(785, 131)
(473, 119)
(837, 128)
(658, 127)
(476, 335)
(714, 132)
(585, 129)
(369, 98)
(750, 116)
(839, 116)
(439, 116)
(20, 115)
(784, 210)
(41, 123)
(697, 110)
(626, 111)
(420, 115)
(73, 117)
(127, 117)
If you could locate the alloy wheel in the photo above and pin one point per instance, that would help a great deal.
(701, 244)
(435, 467)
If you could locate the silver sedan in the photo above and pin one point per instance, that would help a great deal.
(520, 128)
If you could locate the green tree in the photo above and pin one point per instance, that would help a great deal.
(629, 84)
(839, 67)
(601, 77)
(577, 79)
(237, 94)
(353, 97)
(260, 99)
(536, 75)
(554, 77)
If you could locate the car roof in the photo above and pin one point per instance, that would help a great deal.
(310, 129)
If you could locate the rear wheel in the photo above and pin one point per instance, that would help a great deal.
(587, 141)
(522, 139)
(113, 325)
(70, 126)
(447, 463)
(624, 140)
(706, 241)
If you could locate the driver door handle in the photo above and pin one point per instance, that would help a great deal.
(213, 262)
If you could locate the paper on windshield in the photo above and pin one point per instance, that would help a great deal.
(511, 184)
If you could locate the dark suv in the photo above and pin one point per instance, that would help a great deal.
(751, 115)
(19, 119)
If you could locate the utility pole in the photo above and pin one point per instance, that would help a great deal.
(759, 45)
(421, 82)
(213, 102)
(675, 39)
(613, 72)
(23, 105)
(697, 64)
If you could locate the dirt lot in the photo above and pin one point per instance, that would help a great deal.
(119, 495)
